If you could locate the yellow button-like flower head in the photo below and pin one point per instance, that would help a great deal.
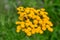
(33, 21)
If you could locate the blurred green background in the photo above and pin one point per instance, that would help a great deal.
(8, 17)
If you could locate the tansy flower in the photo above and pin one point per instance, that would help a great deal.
(18, 28)
(40, 31)
(42, 9)
(43, 28)
(33, 21)
(33, 31)
(28, 33)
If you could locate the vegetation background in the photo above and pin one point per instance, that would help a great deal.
(8, 17)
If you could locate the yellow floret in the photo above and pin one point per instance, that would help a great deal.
(18, 22)
(33, 31)
(50, 23)
(42, 9)
(29, 28)
(20, 18)
(30, 15)
(37, 18)
(50, 29)
(28, 33)
(18, 29)
(34, 17)
(22, 26)
(27, 24)
(45, 13)
(43, 28)
(41, 32)
(38, 29)
(35, 21)
(35, 25)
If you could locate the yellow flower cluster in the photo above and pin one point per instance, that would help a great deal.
(33, 21)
